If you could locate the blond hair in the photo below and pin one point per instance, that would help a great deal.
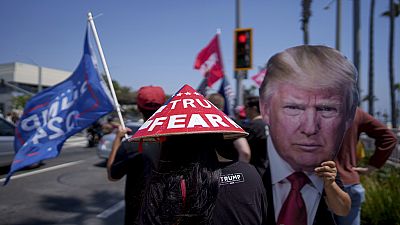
(315, 68)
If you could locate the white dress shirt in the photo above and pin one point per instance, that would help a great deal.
(280, 169)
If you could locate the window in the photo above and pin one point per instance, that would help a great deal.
(6, 128)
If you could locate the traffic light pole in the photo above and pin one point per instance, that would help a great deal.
(238, 74)
(239, 87)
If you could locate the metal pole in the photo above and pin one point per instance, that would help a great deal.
(40, 87)
(237, 13)
(103, 60)
(338, 23)
(356, 40)
(238, 74)
(17, 88)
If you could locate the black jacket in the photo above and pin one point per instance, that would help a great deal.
(323, 216)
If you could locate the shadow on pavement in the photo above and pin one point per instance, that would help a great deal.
(75, 211)
(101, 164)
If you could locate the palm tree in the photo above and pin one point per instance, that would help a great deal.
(397, 88)
(305, 16)
(371, 96)
(392, 13)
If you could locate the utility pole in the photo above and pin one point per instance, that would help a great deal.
(40, 86)
(356, 40)
(338, 23)
(239, 74)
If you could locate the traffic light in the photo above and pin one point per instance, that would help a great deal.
(243, 49)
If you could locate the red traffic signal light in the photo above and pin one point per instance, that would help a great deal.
(243, 49)
(242, 38)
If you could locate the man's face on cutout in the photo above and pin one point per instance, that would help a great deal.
(306, 127)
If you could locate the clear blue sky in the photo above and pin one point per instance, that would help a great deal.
(156, 41)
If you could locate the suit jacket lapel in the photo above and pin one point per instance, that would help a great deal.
(322, 216)
(268, 189)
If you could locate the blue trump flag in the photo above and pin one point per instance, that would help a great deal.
(57, 113)
(227, 92)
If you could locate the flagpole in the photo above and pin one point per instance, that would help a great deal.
(103, 60)
(219, 44)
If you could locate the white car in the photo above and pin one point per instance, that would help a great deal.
(105, 143)
(6, 142)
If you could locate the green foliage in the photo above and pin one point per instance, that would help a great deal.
(19, 102)
(124, 94)
(397, 86)
(382, 199)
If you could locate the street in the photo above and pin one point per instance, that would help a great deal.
(70, 189)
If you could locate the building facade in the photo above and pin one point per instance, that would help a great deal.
(18, 78)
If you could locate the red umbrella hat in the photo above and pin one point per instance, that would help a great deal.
(187, 112)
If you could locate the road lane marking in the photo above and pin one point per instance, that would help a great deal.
(75, 142)
(43, 170)
(113, 209)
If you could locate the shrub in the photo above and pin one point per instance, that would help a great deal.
(382, 199)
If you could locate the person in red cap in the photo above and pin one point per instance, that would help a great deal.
(126, 159)
(149, 99)
(190, 185)
(240, 113)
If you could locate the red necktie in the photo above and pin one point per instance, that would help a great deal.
(293, 211)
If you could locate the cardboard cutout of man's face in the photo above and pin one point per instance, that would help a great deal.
(306, 127)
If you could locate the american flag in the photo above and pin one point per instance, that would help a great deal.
(203, 87)
(227, 91)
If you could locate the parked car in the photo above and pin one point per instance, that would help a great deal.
(105, 143)
(7, 131)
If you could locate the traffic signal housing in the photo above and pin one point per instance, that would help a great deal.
(243, 48)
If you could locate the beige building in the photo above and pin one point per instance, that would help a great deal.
(20, 78)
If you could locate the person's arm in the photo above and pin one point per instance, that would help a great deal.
(115, 146)
(365, 170)
(243, 148)
(385, 140)
(336, 199)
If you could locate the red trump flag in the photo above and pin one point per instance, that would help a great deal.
(209, 62)
(259, 77)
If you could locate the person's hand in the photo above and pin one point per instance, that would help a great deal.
(121, 131)
(364, 170)
(327, 171)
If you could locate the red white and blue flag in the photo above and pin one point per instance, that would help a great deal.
(203, 87)
(57, 113)
(226, 91)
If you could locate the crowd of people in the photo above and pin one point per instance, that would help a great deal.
(288, 156)
(11, 117)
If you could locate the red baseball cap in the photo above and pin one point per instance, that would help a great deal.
(150, 97)
(240, 110)
(187, 112)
